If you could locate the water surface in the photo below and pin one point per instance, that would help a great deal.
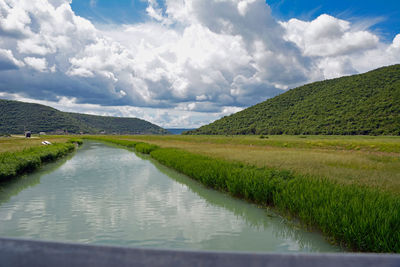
(109, 195)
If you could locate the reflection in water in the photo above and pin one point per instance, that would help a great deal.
(13, 186)
(111, 196)
(254, 216)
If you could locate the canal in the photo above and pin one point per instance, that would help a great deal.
(108, 195)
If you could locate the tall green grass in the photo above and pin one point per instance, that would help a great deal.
(27, 160)
(145, 148)
(77, 141)
(359, 218)
(138, 146)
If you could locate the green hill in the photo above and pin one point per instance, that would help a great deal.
(16, 116)
(364, 104)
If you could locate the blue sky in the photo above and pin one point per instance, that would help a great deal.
(185, 63)
(386, 13)
(106, 11)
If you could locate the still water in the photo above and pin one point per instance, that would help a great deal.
(108, 195)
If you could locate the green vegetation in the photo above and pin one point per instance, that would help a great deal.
(145, 148)
(351, 212)
(328, 142)
(368, 161)
(366, 104)
(77, 141)
(118, 125)
(15, 117)
(138, 146)
(12, 144)
(15, 163)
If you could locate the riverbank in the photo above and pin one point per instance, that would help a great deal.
(365, 161)
(24, 159)
(359, 217)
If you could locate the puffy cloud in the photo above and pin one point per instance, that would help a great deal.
(328, 36)
(155, 12)
(339, 48)
(39, 64)
(192, 62)
(7, 60)
(14, 20)
(220, 51)
(381, 56)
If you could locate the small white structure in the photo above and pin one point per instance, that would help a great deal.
(46, 143)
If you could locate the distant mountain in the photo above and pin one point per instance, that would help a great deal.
(360, 104)
(177, 131)
(15, 117)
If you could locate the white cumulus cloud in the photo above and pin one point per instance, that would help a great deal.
(8, 61)
(39, 64)
(328, 36)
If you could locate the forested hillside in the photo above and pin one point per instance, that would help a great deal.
(118, 125)
(364, 104)
(16, 117)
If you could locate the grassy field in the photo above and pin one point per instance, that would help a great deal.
(19, 155)
(18, 143)
(361, 160)
(353, 213)
(363, 143)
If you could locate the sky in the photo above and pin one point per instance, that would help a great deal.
(185, 63)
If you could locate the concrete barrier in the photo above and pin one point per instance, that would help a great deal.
(18, 252)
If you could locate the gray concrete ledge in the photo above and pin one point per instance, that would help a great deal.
(18, 252)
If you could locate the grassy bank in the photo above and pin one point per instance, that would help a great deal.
(138, 146)
(368, 166)
(361, 217)
(29, 159)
